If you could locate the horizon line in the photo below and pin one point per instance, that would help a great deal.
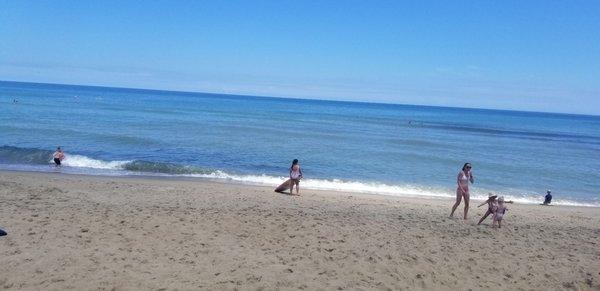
(298, 98)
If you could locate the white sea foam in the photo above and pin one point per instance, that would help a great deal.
(382, 189)
(78, 161)
(86, 162)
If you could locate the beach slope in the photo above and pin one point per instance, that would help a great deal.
(83, 232)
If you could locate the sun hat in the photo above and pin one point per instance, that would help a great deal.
(490, 195)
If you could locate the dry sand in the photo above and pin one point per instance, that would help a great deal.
(81, 232)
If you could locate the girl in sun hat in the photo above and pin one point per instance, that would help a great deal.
(492, 205)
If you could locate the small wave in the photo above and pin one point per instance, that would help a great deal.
(27, 156)
(332, 185)
(86, 162)
(137, 166)
(378, 188)
(163, 168)
(33, 156)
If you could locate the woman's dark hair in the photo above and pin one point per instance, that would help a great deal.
(465, 166)
(294, 162)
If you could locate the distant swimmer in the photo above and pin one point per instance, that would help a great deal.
(462, 191)
(547, 198)
(58, 156)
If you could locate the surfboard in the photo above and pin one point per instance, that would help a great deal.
(284, 186)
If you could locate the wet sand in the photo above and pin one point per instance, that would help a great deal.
(82, 232)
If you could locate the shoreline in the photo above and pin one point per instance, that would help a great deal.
(91, 232)
(167, 177)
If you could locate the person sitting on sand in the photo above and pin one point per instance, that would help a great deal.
(462, 191)
(492, 205)
(58, 156)
(295, 176)
(548, 198)
(499, 213)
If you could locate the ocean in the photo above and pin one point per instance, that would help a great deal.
(387, 149)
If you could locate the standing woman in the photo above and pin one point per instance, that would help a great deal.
(462, 191)
(295, 176)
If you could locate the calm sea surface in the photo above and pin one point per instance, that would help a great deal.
(362, 147)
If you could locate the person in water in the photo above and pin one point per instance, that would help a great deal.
(499, 214)
(58, 156)
(462, 191)
(492, 205)
(295, 176)
(548, 198)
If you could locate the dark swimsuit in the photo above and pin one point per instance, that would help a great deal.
(57, 161)
(492, 207)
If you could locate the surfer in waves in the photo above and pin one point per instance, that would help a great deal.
(58, 156)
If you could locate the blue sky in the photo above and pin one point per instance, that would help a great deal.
(523, 55)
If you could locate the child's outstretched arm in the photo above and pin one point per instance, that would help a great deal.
(483, 203)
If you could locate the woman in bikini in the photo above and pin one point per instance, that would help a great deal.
(295, 176)
(462, 191)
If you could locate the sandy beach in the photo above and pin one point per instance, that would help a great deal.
(85, 232)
